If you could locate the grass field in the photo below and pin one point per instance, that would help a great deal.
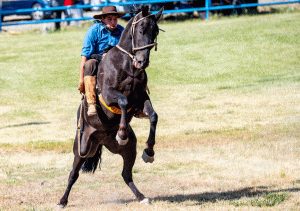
(228, 98)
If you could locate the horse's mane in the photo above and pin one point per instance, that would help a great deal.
(127, 33)
(137, 9)
(126, 30)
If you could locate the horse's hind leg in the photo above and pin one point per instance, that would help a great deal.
(128, 154)
(148, 154)
(78, 162)
(129, 159)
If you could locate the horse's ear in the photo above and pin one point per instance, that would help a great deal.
(159, 14)
(145, 11)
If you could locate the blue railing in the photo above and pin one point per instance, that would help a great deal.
(206, 9)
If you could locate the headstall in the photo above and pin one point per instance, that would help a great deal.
(133, 57)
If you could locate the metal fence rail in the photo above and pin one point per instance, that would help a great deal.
(206, 9)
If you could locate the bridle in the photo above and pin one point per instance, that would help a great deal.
(134, 49)
(132, 34)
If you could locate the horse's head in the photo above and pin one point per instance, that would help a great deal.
(144, 30)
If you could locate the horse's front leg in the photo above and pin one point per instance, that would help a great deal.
(122, 135)
(111, 97)
(148, 155)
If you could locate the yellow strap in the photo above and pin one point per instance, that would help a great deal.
(113, 109)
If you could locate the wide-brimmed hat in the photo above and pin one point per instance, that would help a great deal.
(109, 10)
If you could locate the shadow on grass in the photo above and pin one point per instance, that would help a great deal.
(219, 196)
(213, 197)
(26, 124)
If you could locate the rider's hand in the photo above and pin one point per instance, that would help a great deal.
(81, 87)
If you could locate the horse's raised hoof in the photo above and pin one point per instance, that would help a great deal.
(147, 158)
(121, 141)
(146, 201)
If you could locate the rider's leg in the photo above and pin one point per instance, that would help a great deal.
(90, 93)
(90, 72)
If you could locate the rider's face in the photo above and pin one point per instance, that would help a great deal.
(111, 21)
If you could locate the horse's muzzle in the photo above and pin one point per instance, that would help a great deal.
(141, 60)
(141, 65)
(136, 64)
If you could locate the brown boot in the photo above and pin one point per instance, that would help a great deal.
(90, 93)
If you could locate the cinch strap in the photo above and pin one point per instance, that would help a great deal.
(113, 109)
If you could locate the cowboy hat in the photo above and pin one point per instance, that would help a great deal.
(109, 10)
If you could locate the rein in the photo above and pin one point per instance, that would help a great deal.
(132, 34)
(123, 50)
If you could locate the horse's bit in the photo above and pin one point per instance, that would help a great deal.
(133, 57)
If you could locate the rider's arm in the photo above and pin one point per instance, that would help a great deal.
(87, 49)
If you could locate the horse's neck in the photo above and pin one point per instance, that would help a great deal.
(125, 41)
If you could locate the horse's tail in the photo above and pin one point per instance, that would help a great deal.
(90, 165)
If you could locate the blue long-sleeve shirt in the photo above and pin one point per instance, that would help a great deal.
(99, 37)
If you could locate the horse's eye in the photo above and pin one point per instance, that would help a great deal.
(140, 32)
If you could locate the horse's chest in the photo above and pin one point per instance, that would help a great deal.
(133, 83)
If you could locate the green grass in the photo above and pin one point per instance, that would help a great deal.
(34, 146)
(232, 52)
(226, 54)
(267, 200)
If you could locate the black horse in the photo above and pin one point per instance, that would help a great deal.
(122, 90)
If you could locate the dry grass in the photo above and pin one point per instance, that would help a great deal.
(230, 160)
(196, 109)
(206, 177)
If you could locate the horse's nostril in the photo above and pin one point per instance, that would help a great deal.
(142, 60)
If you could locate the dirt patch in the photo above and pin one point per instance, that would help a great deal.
(4, 109)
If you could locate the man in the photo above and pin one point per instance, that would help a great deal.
(57, 3)
(102, 35)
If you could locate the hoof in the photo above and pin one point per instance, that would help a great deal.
(121, 141)
(147, 158)
(60, 207)
(146, 201)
